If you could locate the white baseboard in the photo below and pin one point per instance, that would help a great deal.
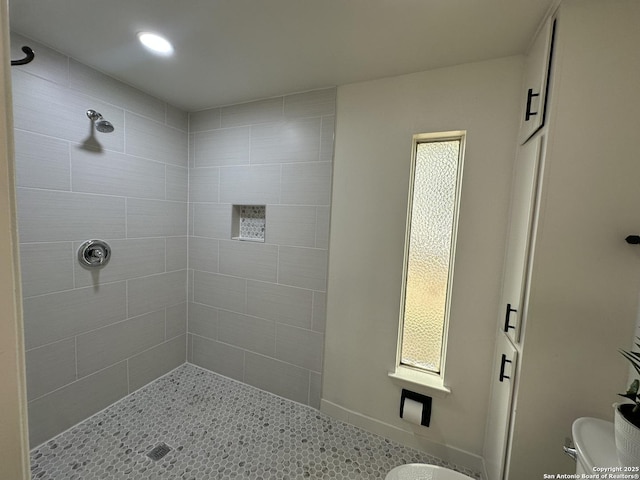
(407, 438)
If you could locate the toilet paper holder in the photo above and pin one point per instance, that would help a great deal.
(417, 397)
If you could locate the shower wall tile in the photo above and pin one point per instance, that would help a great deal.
(56, 316)
(177, 118)
(203, 321)
(280, 303)
(46, 267)
(203, 254)
(95, 84)
(319, 311)
(42, 162)
(51, 65)
(326, 139)
(261, 111)
(129, 259)
(315, 389)
(68, 108)
(286, 142)
(177, 253)
(212, 220)
(147, 294)
(50, 367)
(220, 291)
(103, 347)
(250, 333)
(192, 150)
(157, 141)
(176, 321)
(157, 361)
(300, 347)
(204, 184)
(60, 410)
(250, 260)
(155, 218)
(113, 173)
(177, 185)
(306, 184)
(303, 267)
(218, 357)
(291, 225)
(322, 227)
(204, 120)
(246, 185)
(277, 377)
(51, 216)
(227, 146)
(316, 103)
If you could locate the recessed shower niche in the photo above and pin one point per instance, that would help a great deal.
(248, 223)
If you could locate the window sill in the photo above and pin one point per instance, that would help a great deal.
(420, 382)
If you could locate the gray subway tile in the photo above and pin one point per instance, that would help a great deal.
(327, 139)
(315, 103)
(250, 185)
(218, 357)
(203, 321)
(249, 260)
(203, 254)
(147, 294)
(280, 303)
(176, 321)
(156, 141)
(323, 219)
(204, 184)
(303, 267)
(155, 218)
(53, 413)
(204, 120)
(244, 331)
(227, 146)
(50, 367)
(55, 316)
(315, 389)
(291, 225)
(96, 84)
(261, 111)
(42, 162)
(177, 251)
(299, 346)
(46, 267)
(177, 118)
(212, 220)
(51, 65)
(130, 258)
(177, 184)
(111, 344)
(277, 377)
(306, 183)
(221, 291)
(286, 142)
(50, 216)
(319, 322)
(155, 362)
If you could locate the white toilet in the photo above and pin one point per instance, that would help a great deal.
(422, 471)
(595, 444)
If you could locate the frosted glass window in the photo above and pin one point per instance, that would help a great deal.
(430, 239)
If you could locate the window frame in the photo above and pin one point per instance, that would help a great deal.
(418, 377)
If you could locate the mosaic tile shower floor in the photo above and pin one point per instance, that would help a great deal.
(217, 428)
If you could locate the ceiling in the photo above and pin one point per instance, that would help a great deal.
(230, 51)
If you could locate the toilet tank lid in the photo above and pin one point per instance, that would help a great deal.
(595, 442)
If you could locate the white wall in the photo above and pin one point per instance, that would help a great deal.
(374, 128)
(585, 279)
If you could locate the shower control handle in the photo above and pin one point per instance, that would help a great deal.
(94, 253)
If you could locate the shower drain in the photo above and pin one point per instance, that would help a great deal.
(159, 451)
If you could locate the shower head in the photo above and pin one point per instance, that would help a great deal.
(100, 123)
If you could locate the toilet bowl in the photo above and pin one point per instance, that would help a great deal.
(422, 471)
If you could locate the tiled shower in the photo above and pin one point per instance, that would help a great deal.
(161, 190)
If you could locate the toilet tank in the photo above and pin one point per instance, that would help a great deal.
(595, 445)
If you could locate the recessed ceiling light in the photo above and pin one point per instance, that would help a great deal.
(155, 43)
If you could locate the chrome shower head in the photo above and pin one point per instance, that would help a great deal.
(100, 123)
